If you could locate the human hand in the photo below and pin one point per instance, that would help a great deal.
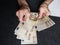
(43, 11)
(23, 14)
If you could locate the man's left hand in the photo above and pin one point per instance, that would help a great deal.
(43, 11)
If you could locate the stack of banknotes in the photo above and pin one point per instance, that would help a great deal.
(27, 32)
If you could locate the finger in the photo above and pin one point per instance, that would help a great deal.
(48, 13)
(27, 14)
(17, 13)
(21, 16)
(40, 14)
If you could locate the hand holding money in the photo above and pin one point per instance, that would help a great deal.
(23, 14)
(27, 31)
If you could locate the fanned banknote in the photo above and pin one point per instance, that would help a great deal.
(27, 31)
(43, 23)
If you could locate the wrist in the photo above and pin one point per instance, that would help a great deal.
(24, 7)
(44, 5)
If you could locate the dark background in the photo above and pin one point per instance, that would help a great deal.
(9, 21)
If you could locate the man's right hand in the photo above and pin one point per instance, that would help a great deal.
(23, 14)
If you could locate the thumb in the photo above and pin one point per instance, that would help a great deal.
(27, 16)
(40, 15)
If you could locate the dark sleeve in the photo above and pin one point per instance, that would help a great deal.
(34, 4)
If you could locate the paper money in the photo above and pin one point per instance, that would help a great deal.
(44, 23)
(27, 32)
